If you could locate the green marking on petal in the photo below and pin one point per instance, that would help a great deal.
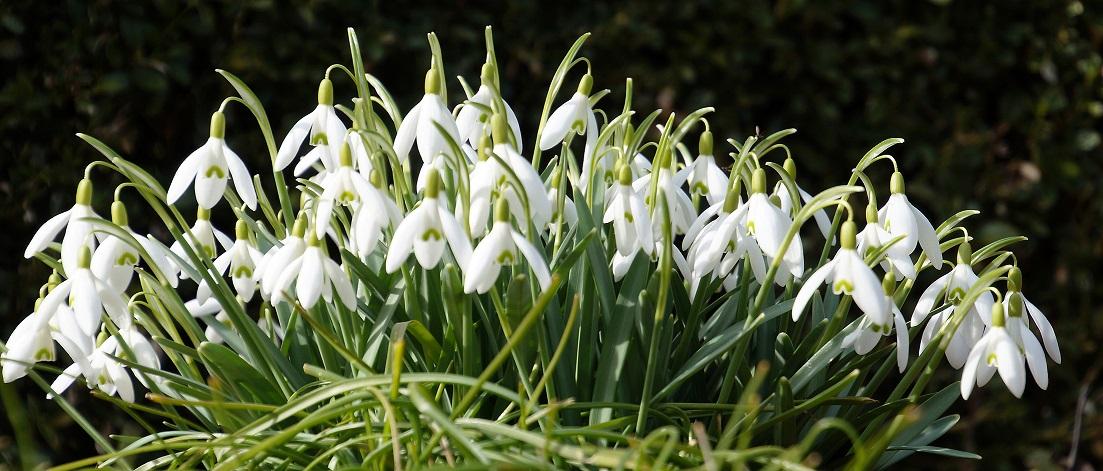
(43, 354)
(430, 234)
(126, 258)
(628, 217)
(991, 359)
(214, 171)
(955, 296)
(843, 286)
(506, 258)
(319, 138)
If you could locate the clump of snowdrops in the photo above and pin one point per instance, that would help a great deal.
(427, 289)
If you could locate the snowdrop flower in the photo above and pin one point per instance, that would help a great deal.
(29, 343)
(767, 224)
(539, 205)
(1045, 329)
(204, 238)
(419, 124)
(208, 309)
(1018, 327)
(628, 214)
(874, 236)
(899, 217)
(89, 298)
(276, 260)
(669, 185)
(325, 129)
(996, 351)
(473, 121)
(426, 231)
(102, 372)
(717, 246)
(376, 211)
(869, 331)
(706, 178)
(953, 286)
(314, 275)
(569, 213)
(848, 274)
(77, 230)
(575, 115)
(243, 261)
(501, 247)
(782, 192)
(114, 260)
(344, 186)
(209, 167)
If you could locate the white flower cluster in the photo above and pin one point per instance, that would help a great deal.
(479, 204)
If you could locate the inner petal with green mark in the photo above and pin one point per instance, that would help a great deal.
(215, 171)
(505, 258)
(126, 259)
(843, 285)
(319, 138)
(431, 234)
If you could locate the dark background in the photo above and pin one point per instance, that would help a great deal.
(1001, 106)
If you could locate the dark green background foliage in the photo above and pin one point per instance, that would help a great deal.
(1001, 107)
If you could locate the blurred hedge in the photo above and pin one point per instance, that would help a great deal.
(1001, 106)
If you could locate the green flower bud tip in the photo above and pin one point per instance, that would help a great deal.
(37, 303)
(299, 229)
(998, 318)
(84, 259)
(965, 253)
(501, 210)
(758, 181)
(1015, 279)
(118, 213)
(203, 214)
(345, 158)
(499, 128)
(848, 237)
(871, 214)
(432, 82)
(704, 145)
(218, 125)
(325, 92)
(375, 178)
(586, 84)
(84, 192)
(54, 280)
(556, 176)
(790, 167)
(624, 176)
(896, 184)
(888, 284)
(432, 188)
(241, 230)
